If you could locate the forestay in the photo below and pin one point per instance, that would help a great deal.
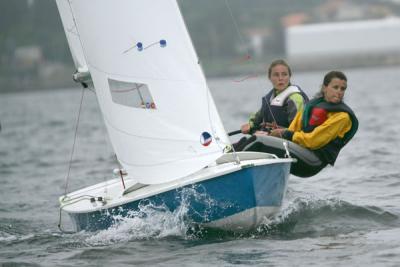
(161, 118)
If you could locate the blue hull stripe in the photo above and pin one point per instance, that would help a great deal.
(207, 201)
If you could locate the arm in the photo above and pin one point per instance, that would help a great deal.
(294, 126)
(337, 124)
(255, 121)
(251, 126)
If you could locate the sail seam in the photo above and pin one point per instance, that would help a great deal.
(168, 162)
(141, 77)
(145, 137)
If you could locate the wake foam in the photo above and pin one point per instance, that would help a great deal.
(302, 217)
(152, 221)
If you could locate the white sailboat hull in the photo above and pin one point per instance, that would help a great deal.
(228, 196)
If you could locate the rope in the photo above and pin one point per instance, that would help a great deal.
(236, 26)
(73, 145)
(71, 201)
(247, 51)
(59, 225)
(285, 143)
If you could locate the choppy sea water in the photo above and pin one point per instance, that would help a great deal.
(347, 215)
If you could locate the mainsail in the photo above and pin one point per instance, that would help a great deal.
(159, 113)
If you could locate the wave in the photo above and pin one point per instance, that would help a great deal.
(149, 222)
(312, 217)
(303, 217)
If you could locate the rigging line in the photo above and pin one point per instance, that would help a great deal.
(207, 90)
(236, 25)
(267, 101)
(247, 50)
(214, 130)
(235, 155)
(140, 94)
(73, 145)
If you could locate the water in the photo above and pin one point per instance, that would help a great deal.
(347, 215)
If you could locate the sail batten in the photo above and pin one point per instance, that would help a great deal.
(159, 113)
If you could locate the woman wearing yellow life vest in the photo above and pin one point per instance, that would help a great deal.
(326, 124)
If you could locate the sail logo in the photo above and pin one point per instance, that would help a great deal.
(205, 139)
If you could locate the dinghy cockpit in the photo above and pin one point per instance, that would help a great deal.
(308, 164)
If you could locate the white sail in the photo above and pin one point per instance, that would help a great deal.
(162, 121)
(72, 35)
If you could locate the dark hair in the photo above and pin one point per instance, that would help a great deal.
(334, 74)
(278, 62)
(328, 78)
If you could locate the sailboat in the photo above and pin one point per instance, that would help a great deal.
(162, 121)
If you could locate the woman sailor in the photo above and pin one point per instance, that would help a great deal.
(278, 107)
(326, 124)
